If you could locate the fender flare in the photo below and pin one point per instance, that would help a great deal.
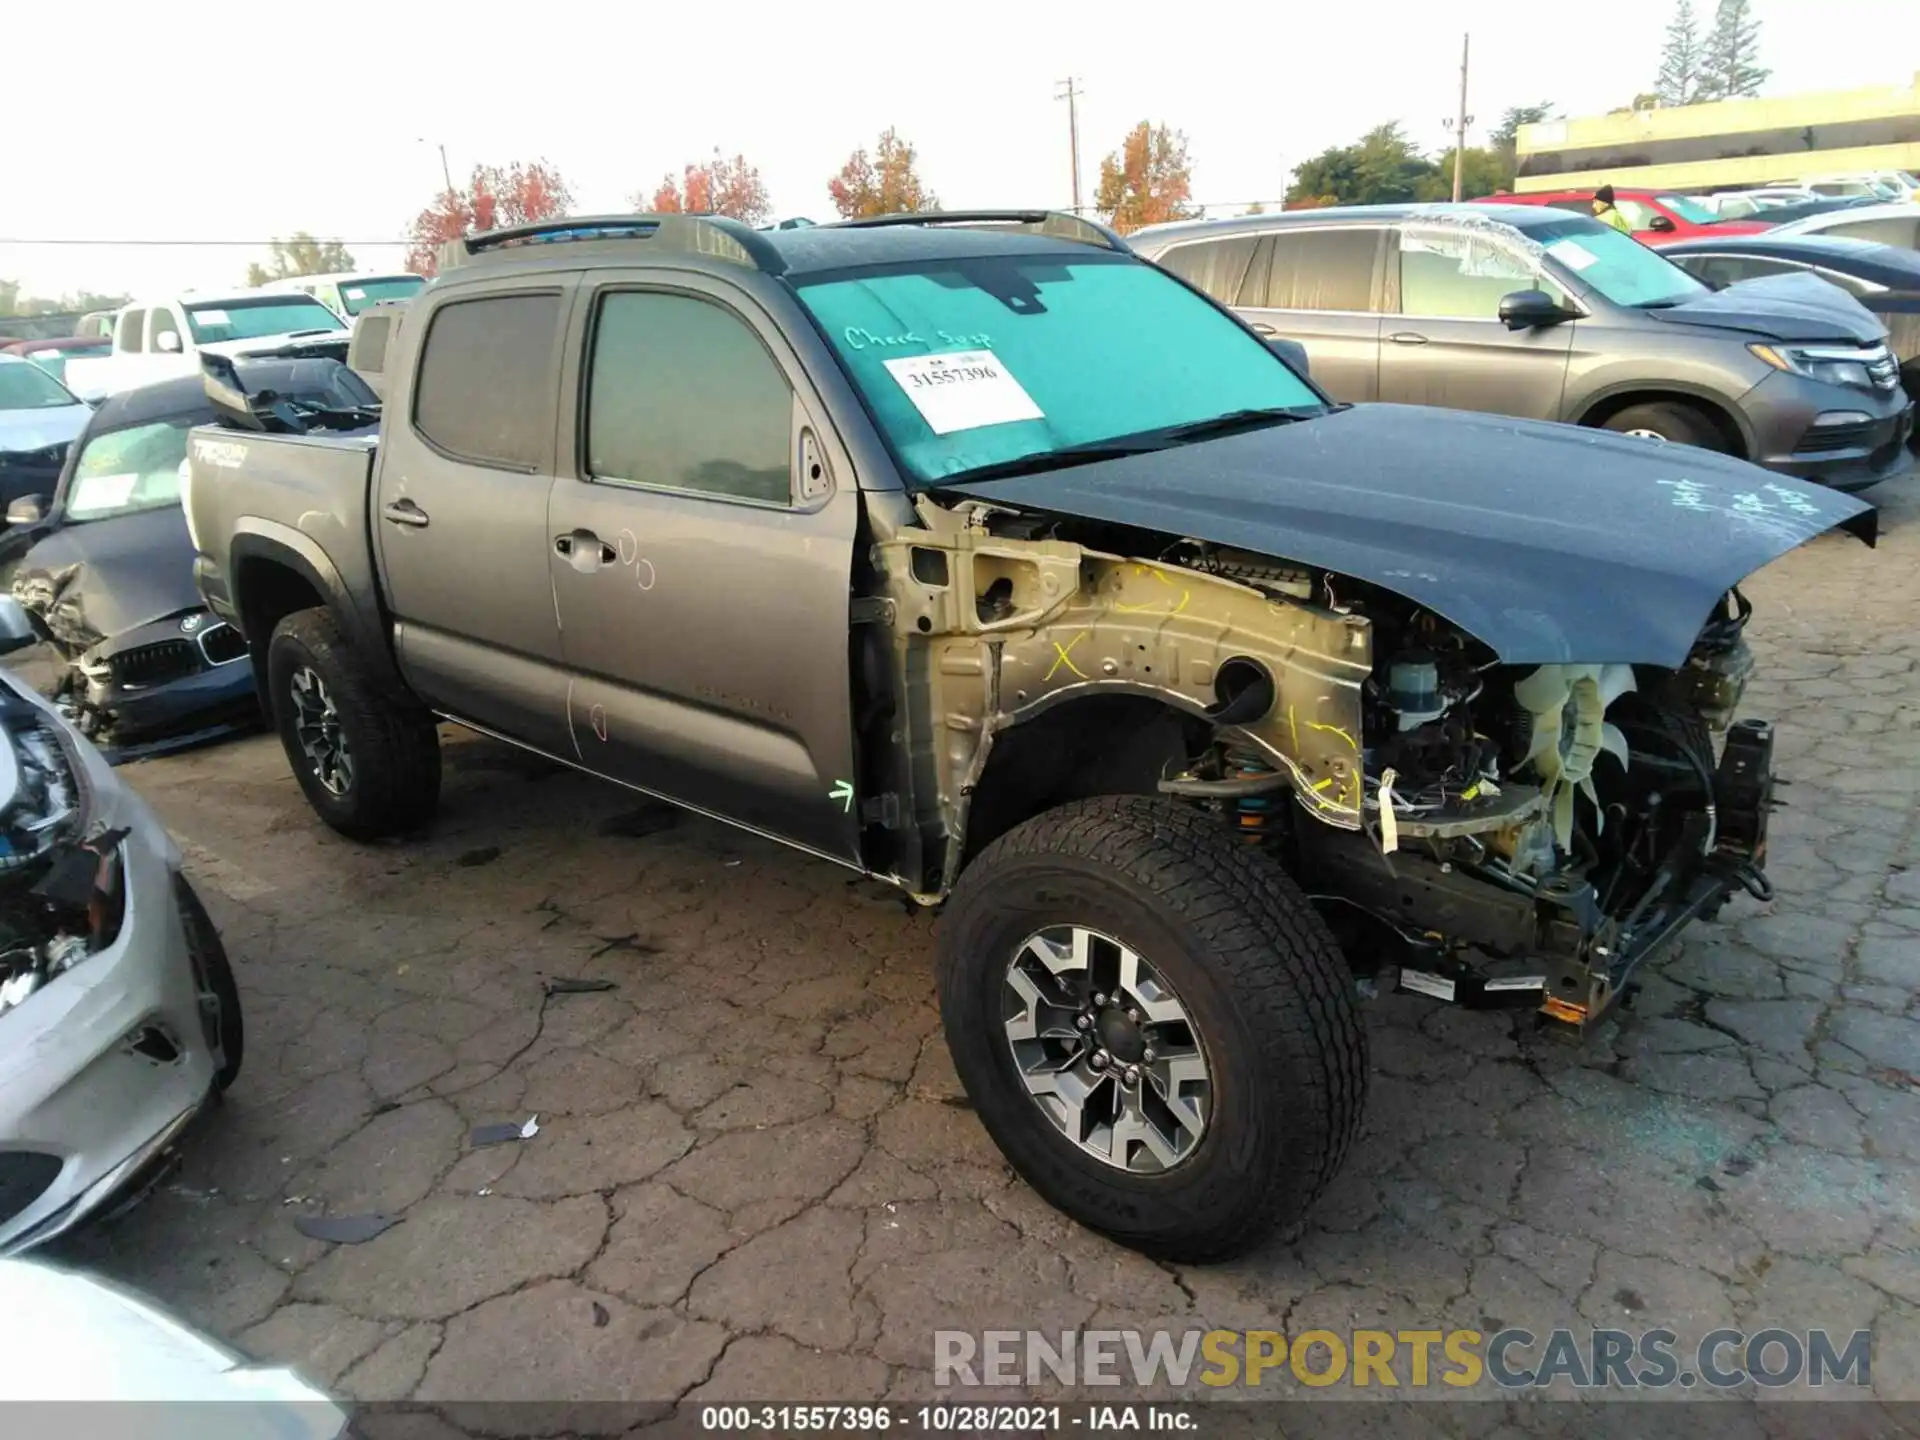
(258, 541)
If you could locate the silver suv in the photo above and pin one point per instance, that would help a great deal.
(1528, 311)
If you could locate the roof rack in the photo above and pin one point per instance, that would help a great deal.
(714, 235)
(1057, 223)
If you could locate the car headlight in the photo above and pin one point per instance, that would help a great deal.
(1830, 366)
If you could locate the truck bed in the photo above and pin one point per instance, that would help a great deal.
(305, 493)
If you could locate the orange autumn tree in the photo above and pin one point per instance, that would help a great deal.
(496, 196)
(1147, 180)
(883, 183)
(718, 187)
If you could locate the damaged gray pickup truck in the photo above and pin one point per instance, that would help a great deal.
(974, 553)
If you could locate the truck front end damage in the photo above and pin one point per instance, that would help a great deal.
(1481, 832)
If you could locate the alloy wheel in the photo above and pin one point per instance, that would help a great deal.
(1106, 1049)
(316, 724)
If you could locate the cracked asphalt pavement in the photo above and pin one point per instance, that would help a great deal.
(756, 1175)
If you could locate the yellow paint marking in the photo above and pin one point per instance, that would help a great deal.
(1062, 651)
(1334, 730)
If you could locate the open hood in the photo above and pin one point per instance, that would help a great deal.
(96, 578)
(1548, 542)
(1781, 307)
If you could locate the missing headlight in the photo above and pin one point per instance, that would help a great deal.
(62, 897)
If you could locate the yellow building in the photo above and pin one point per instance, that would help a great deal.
(1727, 143)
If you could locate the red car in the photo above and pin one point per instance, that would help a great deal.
(52, 355)
(1657, 216)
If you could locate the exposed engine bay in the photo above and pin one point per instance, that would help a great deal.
(61, 894)
(1481, 832)
(1530, 834)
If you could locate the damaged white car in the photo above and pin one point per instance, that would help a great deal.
(119, 1017)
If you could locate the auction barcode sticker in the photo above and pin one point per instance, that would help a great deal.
(962, 391)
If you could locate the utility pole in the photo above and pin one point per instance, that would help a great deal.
(446, 172)
(1460, 128)
(1071, 94)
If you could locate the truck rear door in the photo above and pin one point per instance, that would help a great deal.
(702, 554)
(460, 506)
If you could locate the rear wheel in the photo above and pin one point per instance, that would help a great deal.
(1153, 1024)
(366, 754)
(1672, 422)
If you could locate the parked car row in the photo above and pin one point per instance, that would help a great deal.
(1535, 312)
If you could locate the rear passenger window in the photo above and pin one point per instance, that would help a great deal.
(1322, 269)
(1215, 266)
(485, 390)
(132, 327)
(684, 395)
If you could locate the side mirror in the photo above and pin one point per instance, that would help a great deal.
(16, 629)
(1530, 309)
(27, 509)
(1661, 223)
(167, 342)
(1291, 351)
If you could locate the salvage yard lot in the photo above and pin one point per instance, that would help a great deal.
(755, 1174)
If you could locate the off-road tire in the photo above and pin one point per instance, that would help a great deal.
(1255, 967)
(393, 740)
(214, 971)
(1673, 422)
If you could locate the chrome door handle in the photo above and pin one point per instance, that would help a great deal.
(1259, 328)
(1407, 337)
(405, 512)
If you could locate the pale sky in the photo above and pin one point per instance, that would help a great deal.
(246, 121)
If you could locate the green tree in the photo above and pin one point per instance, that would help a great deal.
(1729, 62)
(1384, 167)
(1506, 135)
(1679, 80)
(883, 183)
(1484, 172)
(301, 255)
(1148, 180)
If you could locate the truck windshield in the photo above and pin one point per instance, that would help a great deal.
(252, 318)
(127, 470)
(979, 362)
(1597, 257)
(357, 294)
(25, 386)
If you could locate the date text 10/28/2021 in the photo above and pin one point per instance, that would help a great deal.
(945, 1419)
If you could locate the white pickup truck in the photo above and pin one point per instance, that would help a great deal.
(160, 339)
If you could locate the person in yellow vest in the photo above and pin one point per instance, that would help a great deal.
(1607, 213)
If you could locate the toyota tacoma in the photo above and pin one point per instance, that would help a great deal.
(976, 554)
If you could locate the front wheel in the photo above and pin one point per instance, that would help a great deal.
(1153, 1024)
(1674, 423)
(367, 757)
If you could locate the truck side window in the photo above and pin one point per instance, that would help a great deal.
(485, 388)
(132, 336)
(683, 395)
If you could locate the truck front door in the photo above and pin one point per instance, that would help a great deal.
(460, 510)
(702, 556)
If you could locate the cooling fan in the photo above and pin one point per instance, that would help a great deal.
(1568, 704)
